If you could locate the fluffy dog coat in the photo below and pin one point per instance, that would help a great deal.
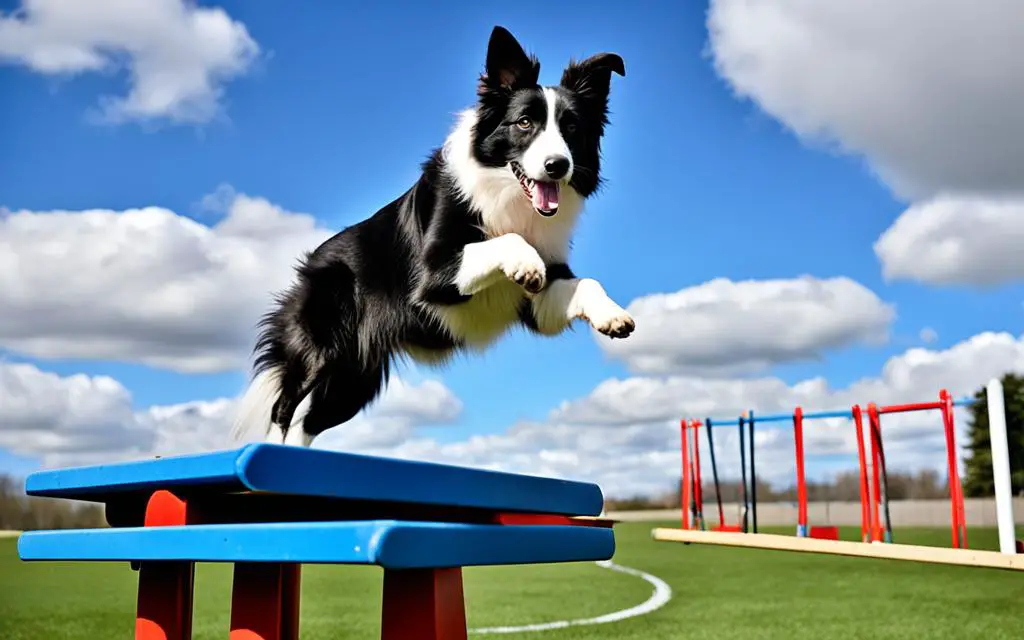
(480, 243)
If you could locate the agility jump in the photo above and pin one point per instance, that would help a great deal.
(253, 508)
(876, 525)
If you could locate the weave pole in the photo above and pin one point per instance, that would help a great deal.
(753, 474)
(684, 489)
(714, 472)
(1001, 466)
(743, 474)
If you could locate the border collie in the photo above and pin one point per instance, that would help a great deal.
(479, 244)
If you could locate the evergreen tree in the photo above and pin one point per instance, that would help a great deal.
(978, 462)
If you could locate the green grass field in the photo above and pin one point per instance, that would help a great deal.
(717, 592)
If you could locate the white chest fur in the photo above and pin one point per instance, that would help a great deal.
(497, 195)
(483, 319)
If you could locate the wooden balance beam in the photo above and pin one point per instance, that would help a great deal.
(915, 553)
(268, 509)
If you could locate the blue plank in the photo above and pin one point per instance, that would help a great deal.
(387, 543)
(97, 481)
(333, 474)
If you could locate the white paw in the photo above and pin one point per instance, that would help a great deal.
(523, 265)
(606, 316)
(613, 321)
(594, 305)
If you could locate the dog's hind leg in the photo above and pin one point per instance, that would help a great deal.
(289, 395)
(339, 392)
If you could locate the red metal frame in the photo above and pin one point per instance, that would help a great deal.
(685, 480)
(956, 497)
(872, 529)
(801, 485)
(698, 487)
(866, 523)
(875, 429)
(907, 408)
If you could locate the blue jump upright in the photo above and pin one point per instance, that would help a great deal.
(269, 509)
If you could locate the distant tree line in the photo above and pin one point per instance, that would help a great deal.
(23, 513)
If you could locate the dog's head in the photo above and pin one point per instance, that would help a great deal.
(548, 137)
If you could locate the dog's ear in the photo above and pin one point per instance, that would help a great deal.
(508, 66)
(591, 79)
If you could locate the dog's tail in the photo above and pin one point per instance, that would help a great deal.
(253, 417)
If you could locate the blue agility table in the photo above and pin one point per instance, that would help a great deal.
(271, 508)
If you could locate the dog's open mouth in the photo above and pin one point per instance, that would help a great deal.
(543, 194)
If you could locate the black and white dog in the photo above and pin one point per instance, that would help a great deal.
(479, 244)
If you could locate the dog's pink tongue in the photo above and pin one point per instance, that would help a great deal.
(545, 196)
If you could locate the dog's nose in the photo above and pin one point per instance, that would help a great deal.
(556, 167)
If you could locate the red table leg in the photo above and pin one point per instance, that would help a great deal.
(265, 601)
(165, 601)
(423, 604)
(164, 606)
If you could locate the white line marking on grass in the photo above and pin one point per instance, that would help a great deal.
(662, 594)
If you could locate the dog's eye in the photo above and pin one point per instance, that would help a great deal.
(570, 127)
(524, 123)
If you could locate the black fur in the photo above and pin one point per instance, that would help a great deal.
(366, 295)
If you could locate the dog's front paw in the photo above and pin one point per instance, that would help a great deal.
(524, 266)
(612, 320)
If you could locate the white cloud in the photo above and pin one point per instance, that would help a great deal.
(625, 434)
(146, 285)
(928, 335)
(928, 91)
(84, 420)
(178, 55)
(63, 418)
(914, 374)
(953, 240)
(395, 417)
(725, 326)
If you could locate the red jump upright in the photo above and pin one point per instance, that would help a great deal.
(801, 483)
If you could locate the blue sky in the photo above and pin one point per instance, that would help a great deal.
(343, 103)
